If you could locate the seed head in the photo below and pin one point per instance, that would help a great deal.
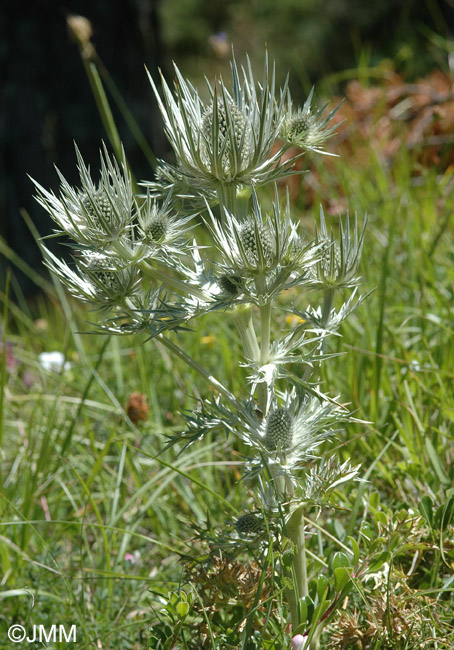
(279, 430)
(250, 233)
(247, 524)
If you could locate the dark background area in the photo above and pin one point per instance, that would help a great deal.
(47, 104)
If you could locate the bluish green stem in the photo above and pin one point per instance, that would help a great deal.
(171, 282)
(175, 349)
(265, 340)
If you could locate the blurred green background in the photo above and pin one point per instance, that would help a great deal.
(47, 102)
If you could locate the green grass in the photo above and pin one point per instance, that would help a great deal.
(83, 486)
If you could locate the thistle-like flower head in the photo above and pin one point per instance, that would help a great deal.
(279, 430)
(248, 524)
(94, 214)
(305, 127)
(339, 258)
(294, 427)
(161, 231)
(261, 244)
(228, 140)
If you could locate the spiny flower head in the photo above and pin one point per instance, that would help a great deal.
(161, 229)
(95, 214)
(98, 207)
(109, 278)
(263, 245)
(256, 240)
(229, 139)
(307, 128)
(248, 524)
(339, 257)
(231, 284)
(229, 131)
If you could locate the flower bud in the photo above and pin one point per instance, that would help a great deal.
(247, 524)
(231, 283)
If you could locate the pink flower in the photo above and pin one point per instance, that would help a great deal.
(298, 642)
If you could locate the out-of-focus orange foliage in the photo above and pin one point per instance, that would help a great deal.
(393, 114)
(379, 119)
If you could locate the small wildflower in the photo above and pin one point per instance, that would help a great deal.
(53, 361)
(298, 642)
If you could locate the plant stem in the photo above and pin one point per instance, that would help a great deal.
(328, 298)
(175, 349)
(265, 333)
(245, 326)
(226, 193)
(296, 533)
(171, 282)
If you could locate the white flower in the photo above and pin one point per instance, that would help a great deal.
(53, 361)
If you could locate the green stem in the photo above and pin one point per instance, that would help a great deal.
(265, 340)
(328, 298)
(226, 193)
(296, 533)
(175, 349)
(171, 282)
(245, 326)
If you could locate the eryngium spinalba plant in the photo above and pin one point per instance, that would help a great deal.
(137, 259)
